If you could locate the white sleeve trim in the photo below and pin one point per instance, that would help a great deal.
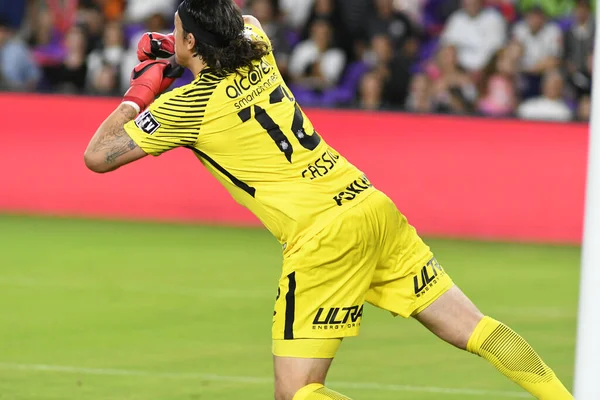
(134, 105)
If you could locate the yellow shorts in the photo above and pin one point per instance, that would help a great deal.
(370, 253)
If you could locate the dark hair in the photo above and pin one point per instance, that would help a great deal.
(224, 19)
(489, 70)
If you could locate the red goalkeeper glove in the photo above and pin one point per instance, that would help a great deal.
(155, 45)
(149, 79)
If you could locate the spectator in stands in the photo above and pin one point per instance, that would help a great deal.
(437, 13)
(12, 13)
(42, 31)
(386, 21)
(452, 89)
(550, 105)
(69, 76)
(542, 43)
(113, 9)
(18, 70)
(476, 32)
(414, 9)
(323, 9)
(419, 98)
(354, 13)
(584, 109)
(104, 82)
(315, 63)
(371, 92)
(579, 44)
(142, 10)
(296, 12)
(498, 86)
(90, 15)
(386, 85)
(506, 7)
(268, 13)
(104, 63)
(329, 10)
(514, 51)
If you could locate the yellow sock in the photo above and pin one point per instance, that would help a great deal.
(316, 391)
(514, 357)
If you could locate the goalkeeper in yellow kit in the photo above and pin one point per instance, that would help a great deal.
(344, 242)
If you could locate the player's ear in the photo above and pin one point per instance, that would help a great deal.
(190, 42)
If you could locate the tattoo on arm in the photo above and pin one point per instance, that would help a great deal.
(118, 149)
(115, 141)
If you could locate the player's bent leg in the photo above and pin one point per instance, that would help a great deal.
(320, 300)
(455, 319)
(452, 317)
(408, 281)
(301, 367)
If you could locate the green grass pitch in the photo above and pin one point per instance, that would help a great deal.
(117, 310)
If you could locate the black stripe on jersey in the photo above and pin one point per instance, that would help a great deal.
(290, 307)
(184, 107)
(163, 117)
(204, 91)
(196, 98)
(205, 81)
(185, 110)
(208, 75)
(211, 76)
(200, 89)
(245, 187)
(192, 101)
(180, 142)
(192, 138)
(204, 85)
(191, 116)
(177, 132)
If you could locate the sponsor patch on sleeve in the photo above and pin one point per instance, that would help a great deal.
(147, 123)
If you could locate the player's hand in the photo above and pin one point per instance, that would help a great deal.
(155, 45)
(151, 78)
(171, 73)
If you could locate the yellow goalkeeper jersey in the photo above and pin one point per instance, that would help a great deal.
(250, 133)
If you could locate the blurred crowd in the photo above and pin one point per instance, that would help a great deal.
(530, 59)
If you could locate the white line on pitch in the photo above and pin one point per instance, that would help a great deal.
(540, 312)
(154, 291)
(257, 380)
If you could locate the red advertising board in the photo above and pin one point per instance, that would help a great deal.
(458, 177)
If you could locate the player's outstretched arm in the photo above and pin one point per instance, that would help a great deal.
(111, 147)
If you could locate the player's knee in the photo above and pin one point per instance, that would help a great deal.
(459, 335)
(452, 317)
(293, 372)
(288, 382)
(286, 390)
(282, 394)
(287, 385)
